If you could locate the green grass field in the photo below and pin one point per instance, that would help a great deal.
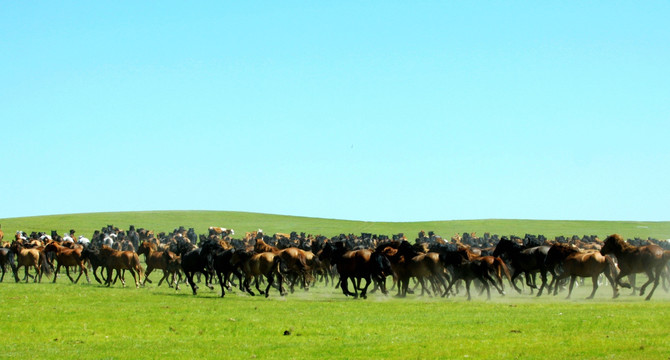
(89, 321)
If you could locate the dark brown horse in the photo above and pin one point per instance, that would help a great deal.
(119, 261)
(67, 257)
(649, 259)
(408, 262)
(357, 265)
(581, 263)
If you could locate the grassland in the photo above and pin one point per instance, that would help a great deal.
(85, 224)
(88, 321)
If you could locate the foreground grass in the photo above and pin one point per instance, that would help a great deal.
(88, 321)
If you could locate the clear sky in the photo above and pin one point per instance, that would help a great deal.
(363, 110)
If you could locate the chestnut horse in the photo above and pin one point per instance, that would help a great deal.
(121, 260)
(67, 257)
(649, 259)
(583, 264)
(295, 260)
(254, 264)
(156, 260)
(30, 258)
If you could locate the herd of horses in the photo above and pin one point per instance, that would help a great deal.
(293, 260)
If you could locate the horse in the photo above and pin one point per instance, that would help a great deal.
(650, 259)
(221, 261)
(356, 265)
(67, 257)
(121, 260)
(255, 265)
(580, 263)
(525, 261)
(295, 259)
(467, 267)
(192, 262)
(407, 262)
(30, 258)
(92, 254)
(215, 230)
(156, 260)
(7, 258)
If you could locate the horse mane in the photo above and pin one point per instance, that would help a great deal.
(618, 240)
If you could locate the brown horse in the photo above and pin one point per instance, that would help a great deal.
(583, 264)
(407, 262)
(67, 257)
(295, 259)
(357, 265)
(121, 260)
(30, 258)
(254, 265)
(650, 259)
(157, 260)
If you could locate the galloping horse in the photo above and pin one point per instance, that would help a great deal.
(7, 258)
(650, 259)
(356, 265)
(30, 258)
(583, 264)
(156, 260)
(67, 257)
(525, 261)
(221, 261)
(295, 259)
(255, 265)
(92, 254)
(466, 269)
(121, 260)
(407, 263)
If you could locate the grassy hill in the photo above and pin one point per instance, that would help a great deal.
(241, 222)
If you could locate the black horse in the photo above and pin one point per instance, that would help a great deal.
(458, 260)
(92, 254)
(220, 261)
(7, 258)
(525, 260)
(193, 261)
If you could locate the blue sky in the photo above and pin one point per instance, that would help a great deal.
(377, 111)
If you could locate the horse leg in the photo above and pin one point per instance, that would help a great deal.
(467, 287)
(657, 278)
(67, 272)
(543, 277)
(650, 275)
(365, 288)
(270, 279)
(247, 281)
(258, 285)
(344, 285)
(221, 282)
(594, 280)
(146, 275)
(189, 280)
(56, 272)
(572, 283)
(514, 276)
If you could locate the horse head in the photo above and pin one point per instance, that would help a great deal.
(613, 244)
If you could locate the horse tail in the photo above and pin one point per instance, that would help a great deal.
(613, 267)
(666, 256)
(45, 266)
(501, 266)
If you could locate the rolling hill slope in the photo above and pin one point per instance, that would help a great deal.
(241, 222)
